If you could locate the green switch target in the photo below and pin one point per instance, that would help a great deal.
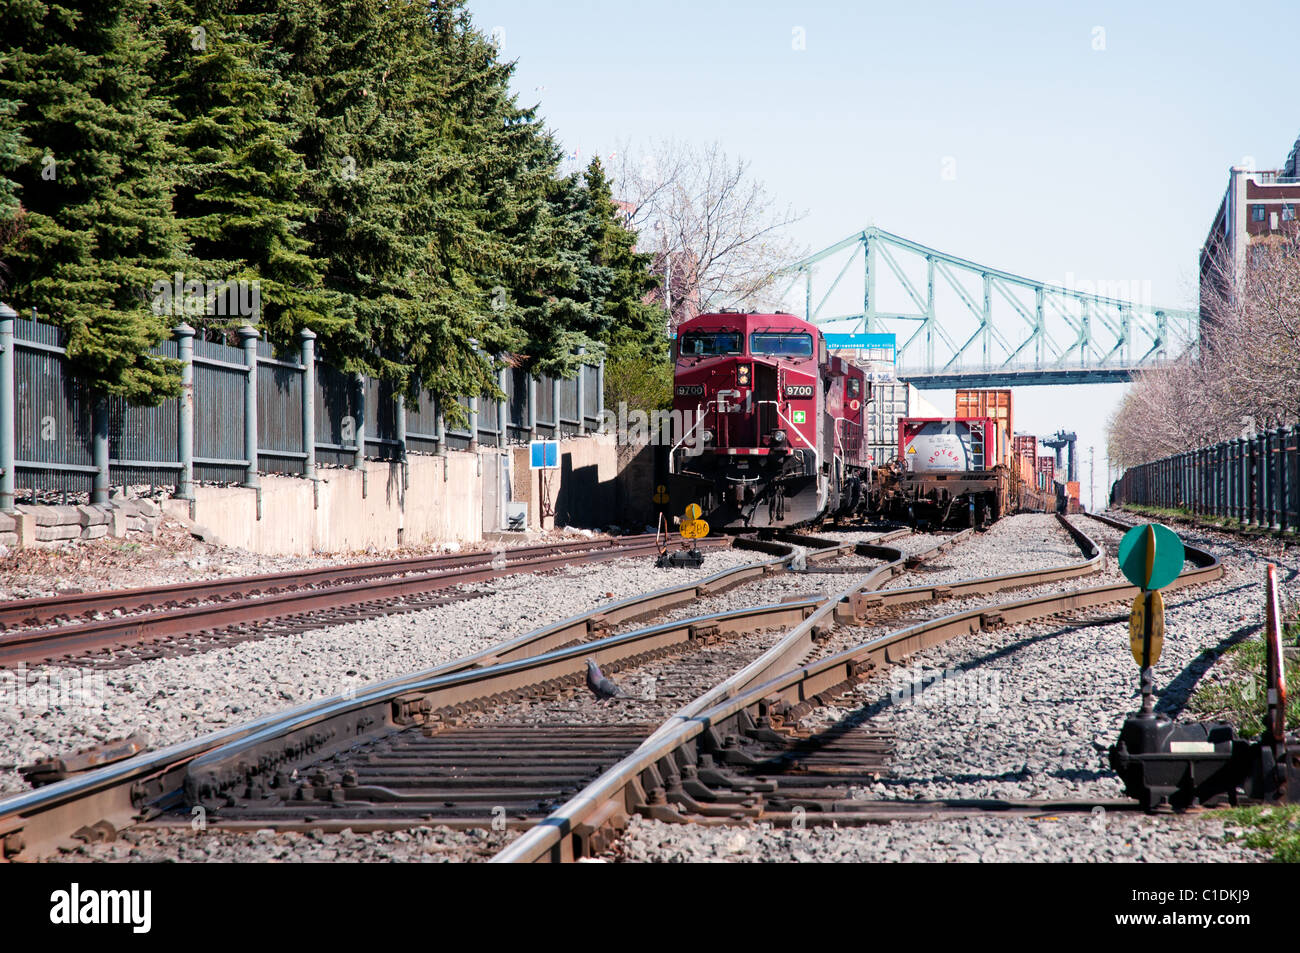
(1151, 556)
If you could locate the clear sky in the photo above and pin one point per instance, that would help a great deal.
(1102, 164)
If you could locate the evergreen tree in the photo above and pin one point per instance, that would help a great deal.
(238, 195)
(96, 185)
(511, 232)
(10, 141)
(637, 370)
(636, 328)
(11, 212)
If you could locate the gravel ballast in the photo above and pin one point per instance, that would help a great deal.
(177, 699)
(1064, 838)
(175, 556)
(437, 845)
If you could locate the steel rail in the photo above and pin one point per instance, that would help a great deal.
(38, 645)
(37, 611)
(762, 688)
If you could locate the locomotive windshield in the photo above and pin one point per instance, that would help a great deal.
(788, 344)
(710, 343)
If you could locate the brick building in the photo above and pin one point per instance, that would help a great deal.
(1256, 206)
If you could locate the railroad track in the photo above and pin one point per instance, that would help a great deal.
(548, 659)
(737, 755)
(397, 755)
(229, 611)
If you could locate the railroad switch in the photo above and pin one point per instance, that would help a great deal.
(680, 559)
(1170, 766)
(691, 528)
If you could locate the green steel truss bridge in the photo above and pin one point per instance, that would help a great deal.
(962, 324)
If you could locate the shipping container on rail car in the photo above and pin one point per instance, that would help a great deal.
(891, 401)
(986, 403)
(1046, 472)
(930, 444)
(1072, 490)
(1025, 444)
(1028, 469)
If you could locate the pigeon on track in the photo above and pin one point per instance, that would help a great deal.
(601, 686)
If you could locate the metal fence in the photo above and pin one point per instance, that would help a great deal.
(1253, 480)
(296, 410)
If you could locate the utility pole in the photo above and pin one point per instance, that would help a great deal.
(668, 272)
(1092, 480)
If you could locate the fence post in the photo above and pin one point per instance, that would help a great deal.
(185, 426)
(600, 392)
(1220, 469)
(1243, 472)
(440, 431)
(1260, 460)
(401, 439)
(532, 407)
(473, 424)
(8, 408)
(248, 335)
(555, 405)
(99, 450)
(307, 356)
(359, 454)
(502, 419)
(582, 394)
(1279, 483)
(1293, 481)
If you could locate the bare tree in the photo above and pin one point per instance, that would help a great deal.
(720, 237)
(1243, 377)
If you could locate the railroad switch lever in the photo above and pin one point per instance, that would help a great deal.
(692, 528)
(1168, 766)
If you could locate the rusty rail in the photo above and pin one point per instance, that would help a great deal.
(31, 612)
(33, 823)
(116, 795)
(37, 645)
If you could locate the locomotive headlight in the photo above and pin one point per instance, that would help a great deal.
(706, 436)
(742, 374)
(778, 436)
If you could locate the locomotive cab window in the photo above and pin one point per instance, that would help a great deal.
(781, 343)
(710, 343)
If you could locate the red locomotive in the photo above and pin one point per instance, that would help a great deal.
(770, 425)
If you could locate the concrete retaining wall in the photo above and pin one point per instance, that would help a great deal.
(582, 492)
(432, 499)
(440, 501)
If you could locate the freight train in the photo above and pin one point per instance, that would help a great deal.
(771, 430)
(772, 433)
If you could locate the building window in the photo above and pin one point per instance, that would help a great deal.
(1288, 213)
(1257, 213)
